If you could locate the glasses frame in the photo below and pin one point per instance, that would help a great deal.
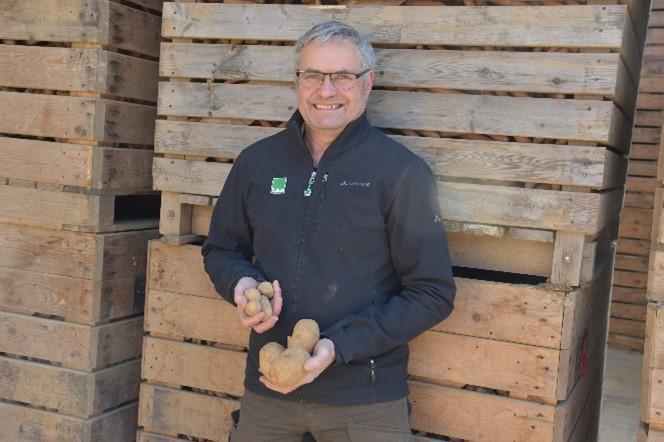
(329, 75)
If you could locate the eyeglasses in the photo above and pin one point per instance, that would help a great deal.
(340, 80)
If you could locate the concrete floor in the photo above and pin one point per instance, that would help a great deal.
(619, 419)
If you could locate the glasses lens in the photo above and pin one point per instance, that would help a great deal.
(311, 80)
(343, 81)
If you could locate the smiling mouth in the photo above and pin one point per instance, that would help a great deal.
(327, 106)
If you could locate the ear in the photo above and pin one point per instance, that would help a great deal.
(369, 84)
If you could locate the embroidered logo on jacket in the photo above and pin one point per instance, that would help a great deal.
(278, 186)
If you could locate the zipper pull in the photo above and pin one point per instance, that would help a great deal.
(372, 370)
(312, 180)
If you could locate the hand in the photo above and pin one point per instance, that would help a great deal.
(322, 358)
(256, 322)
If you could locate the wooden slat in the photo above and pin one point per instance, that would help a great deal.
(76, 165)
(537, 117)
(76, 118)
(580, 212)
(88, 70)
(77, 346)
(573, 26)
(628, 294)
(589, 166)
(195, 317)
(28, 424)
(197, 415)
(198, 366)
(542, 72)
(628, 311)
(68, 391)
(90, 21)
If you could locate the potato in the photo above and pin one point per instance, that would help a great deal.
(266, 308)
(288, 368)
(265, 288)
(252, 308)
(305, 334)
(252, 295)
(267, 355)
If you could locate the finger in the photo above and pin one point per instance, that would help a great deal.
(266, 325)
(277, 299)
(251, 321)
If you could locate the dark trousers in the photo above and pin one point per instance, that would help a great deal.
(265, 419)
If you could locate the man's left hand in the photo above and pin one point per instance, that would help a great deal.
(322, 358)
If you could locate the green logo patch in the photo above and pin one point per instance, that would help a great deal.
(278, 186)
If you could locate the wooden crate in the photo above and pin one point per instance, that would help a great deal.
(80, 277)
(78, 88)
(28, 424)
(193, 333)
(627, 325)
(528, 139)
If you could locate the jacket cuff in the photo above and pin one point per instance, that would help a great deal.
(342, 346)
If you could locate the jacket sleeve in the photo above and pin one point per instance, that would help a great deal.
(421, 259)
(227, 251)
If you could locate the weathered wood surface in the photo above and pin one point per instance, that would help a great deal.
(23, 424)
(70, 211)
(571, 165)
(101, 22)
(74, 345)
(69, 391)
(588, 120)
(90, 167)
(90, 119)
(84, 278)
(567, 26)
(497, 205)
(81, 70)
(536, 72)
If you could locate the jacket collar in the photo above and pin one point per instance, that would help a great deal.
(350, 137)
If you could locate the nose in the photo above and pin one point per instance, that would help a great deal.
(326, 89)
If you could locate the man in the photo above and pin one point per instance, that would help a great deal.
(346, 224)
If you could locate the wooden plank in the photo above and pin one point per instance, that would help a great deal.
(72, 211)
(589, 166)
(567, 259)
(90, 21)
(68, 391)
(195, 317)
(588, 120)
(537, 72)
(487, 363)
(76, 165)
(92, 119)
(630, 279)
(144, 436)
(622, 342)
(77, 346)
(629, 294)
(633, 246)
(571, 26)
(95, 257)
(155, 5)
(87, 70)
(628, 311)
(627, 327)
(197, 366)
(655, 276)
(642, 168)
(191, 413)
(632, 263)
(483, 204)
(642, 200)
(28, 424)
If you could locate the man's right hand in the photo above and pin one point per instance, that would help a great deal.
(256, 322)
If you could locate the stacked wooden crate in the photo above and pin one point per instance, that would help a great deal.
(628, 306)
(652, 391)
(77, 109)
(527, 125)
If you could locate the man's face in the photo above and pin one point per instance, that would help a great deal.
(326, 109)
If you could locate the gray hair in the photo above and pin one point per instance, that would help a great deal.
(336, 31)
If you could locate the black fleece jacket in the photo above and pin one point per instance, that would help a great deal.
(364, 254)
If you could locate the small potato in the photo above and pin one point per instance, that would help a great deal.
(305, 334)
(266, 308)
(252, 308)
(267, 355)
(288, 368)
(265, 288)
(252, 295)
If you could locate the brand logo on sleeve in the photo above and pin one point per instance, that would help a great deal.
(278, 186)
